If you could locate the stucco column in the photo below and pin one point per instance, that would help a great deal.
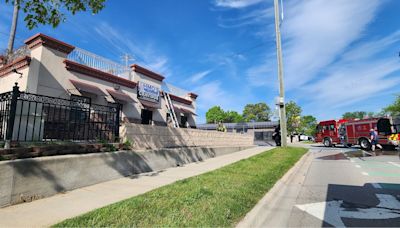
(45, 55)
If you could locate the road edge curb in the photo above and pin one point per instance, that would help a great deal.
(251, 216)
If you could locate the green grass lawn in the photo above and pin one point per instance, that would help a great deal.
(308, 142)
(218, 198)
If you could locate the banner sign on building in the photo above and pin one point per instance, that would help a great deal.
(148, 92)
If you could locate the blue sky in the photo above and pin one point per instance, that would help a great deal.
(339, 55)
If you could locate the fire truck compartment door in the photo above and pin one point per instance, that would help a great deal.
(396, 124)
(384, 126)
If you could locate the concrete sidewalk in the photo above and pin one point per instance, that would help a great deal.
(48, 211)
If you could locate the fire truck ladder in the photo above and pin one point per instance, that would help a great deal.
(171, 110)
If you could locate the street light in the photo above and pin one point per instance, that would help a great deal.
(282, 112)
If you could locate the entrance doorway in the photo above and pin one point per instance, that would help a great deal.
(184, 120)
(147, 116)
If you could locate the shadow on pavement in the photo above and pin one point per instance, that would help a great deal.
(371, 205)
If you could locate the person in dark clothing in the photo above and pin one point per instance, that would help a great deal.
(277, 135)
(291, 138)
(374, 139)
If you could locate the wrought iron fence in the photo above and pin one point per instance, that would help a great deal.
(32, 117)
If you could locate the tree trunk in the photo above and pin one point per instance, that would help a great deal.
(13, 30)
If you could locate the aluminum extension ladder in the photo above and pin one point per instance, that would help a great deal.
(171, 110)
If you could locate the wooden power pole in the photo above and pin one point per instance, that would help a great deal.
(281, 102)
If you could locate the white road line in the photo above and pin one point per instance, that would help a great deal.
(376, 185)
(358, 166)
(395, 164)
(332, 212)
(365, 174)
(351, 160)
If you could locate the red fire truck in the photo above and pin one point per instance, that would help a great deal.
(357, 132)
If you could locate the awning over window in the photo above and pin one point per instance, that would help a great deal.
(188, 111)
(149, 105)
(84, 87)
(121, 96)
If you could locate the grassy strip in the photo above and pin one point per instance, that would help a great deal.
(218, 198)
(308, 142)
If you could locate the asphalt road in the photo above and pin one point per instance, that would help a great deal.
(336, 187)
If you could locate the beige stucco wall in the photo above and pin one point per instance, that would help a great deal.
(7, 82)
(155, 137)
(47, 75)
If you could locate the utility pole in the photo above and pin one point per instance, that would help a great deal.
(281, 102)
(126, 58)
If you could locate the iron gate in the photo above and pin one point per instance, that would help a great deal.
(33, 117)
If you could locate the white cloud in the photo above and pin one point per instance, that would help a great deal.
(159, 64)
(328, 63)
(257, 16)
(369, 49)
(353, 83)
(316, 32)
(198, 76)
(358, 75)
(208, 92)
(144, 53)
(213, 93)
(236, 3)
(262, 75)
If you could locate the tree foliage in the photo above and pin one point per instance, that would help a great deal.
(252, 112)
(308, 125)
(354, 115)
(52, 12)
(393, 109)
(293, 113)
(215, 115)
(257, 112)
(233, 117)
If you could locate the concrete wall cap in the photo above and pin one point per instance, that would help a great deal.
(47, 41)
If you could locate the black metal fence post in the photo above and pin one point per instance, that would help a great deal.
(117, 122)
(11, 119)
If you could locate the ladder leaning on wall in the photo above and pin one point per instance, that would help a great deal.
(171, 110)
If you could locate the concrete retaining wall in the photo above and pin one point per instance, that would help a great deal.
(155, 137)
(29, 179)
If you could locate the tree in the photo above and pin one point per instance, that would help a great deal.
(233, 117)
(215, 115)
(13, 30)
(293, 112)
(256, 112)
(354, 115)
(393, 109)
(48, 12)
(308, 125)
(373, 114)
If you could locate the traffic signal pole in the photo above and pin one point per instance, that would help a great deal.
(281, 102)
